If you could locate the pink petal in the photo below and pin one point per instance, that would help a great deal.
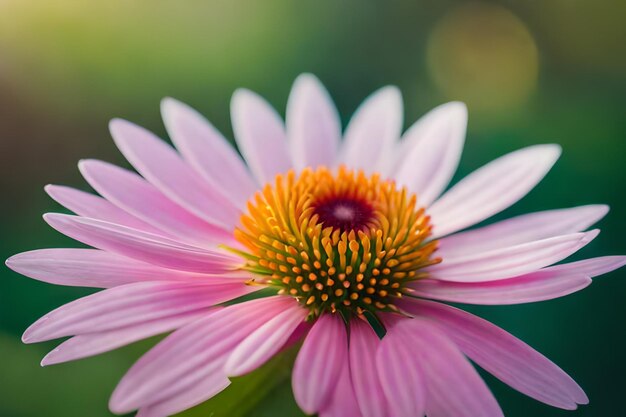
(400, 378)
(365, 379)
(207, 151)
(265, 342)
(343, 403)
(90, 344)
(203, 346)
(260, 134)
(100, 269)
(511, 261)
(319, 363)
(129, 305)
(163, 167)
(492, 188)
(298, 335)
(536, 286)
(506, 357)
(591, 267)
(522, 229)
(545, 284)
(373, 130)
(453, 387)
(135, 195)
(143, 246)
(313, 125)
(430, 151)
(89, 205)
(204, 389)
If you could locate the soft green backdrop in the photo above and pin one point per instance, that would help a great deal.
(530, 72)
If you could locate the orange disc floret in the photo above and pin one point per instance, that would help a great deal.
(336, 240)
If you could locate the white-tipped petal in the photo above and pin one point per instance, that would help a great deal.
(373, 131)
(492, 188)
(510, 261)
(260, 135)
(430, 151)
(162, 166)
(138, 197)
(89, 205)
(142, 246)
(313, 125)
(522, 229)
(207, 151)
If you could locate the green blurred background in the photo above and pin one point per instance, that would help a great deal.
(530, 72)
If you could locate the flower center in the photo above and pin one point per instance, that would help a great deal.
(344, 213)
(336, 241)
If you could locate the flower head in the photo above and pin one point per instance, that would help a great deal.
(341, 242)
(346, 234)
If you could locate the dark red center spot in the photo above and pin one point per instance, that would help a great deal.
(345, 214)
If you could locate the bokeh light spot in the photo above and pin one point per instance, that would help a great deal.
(484, 55)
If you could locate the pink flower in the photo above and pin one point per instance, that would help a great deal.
(350, 234)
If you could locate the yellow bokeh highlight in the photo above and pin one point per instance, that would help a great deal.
(484, 55)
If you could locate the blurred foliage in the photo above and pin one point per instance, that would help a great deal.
(530, 72)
